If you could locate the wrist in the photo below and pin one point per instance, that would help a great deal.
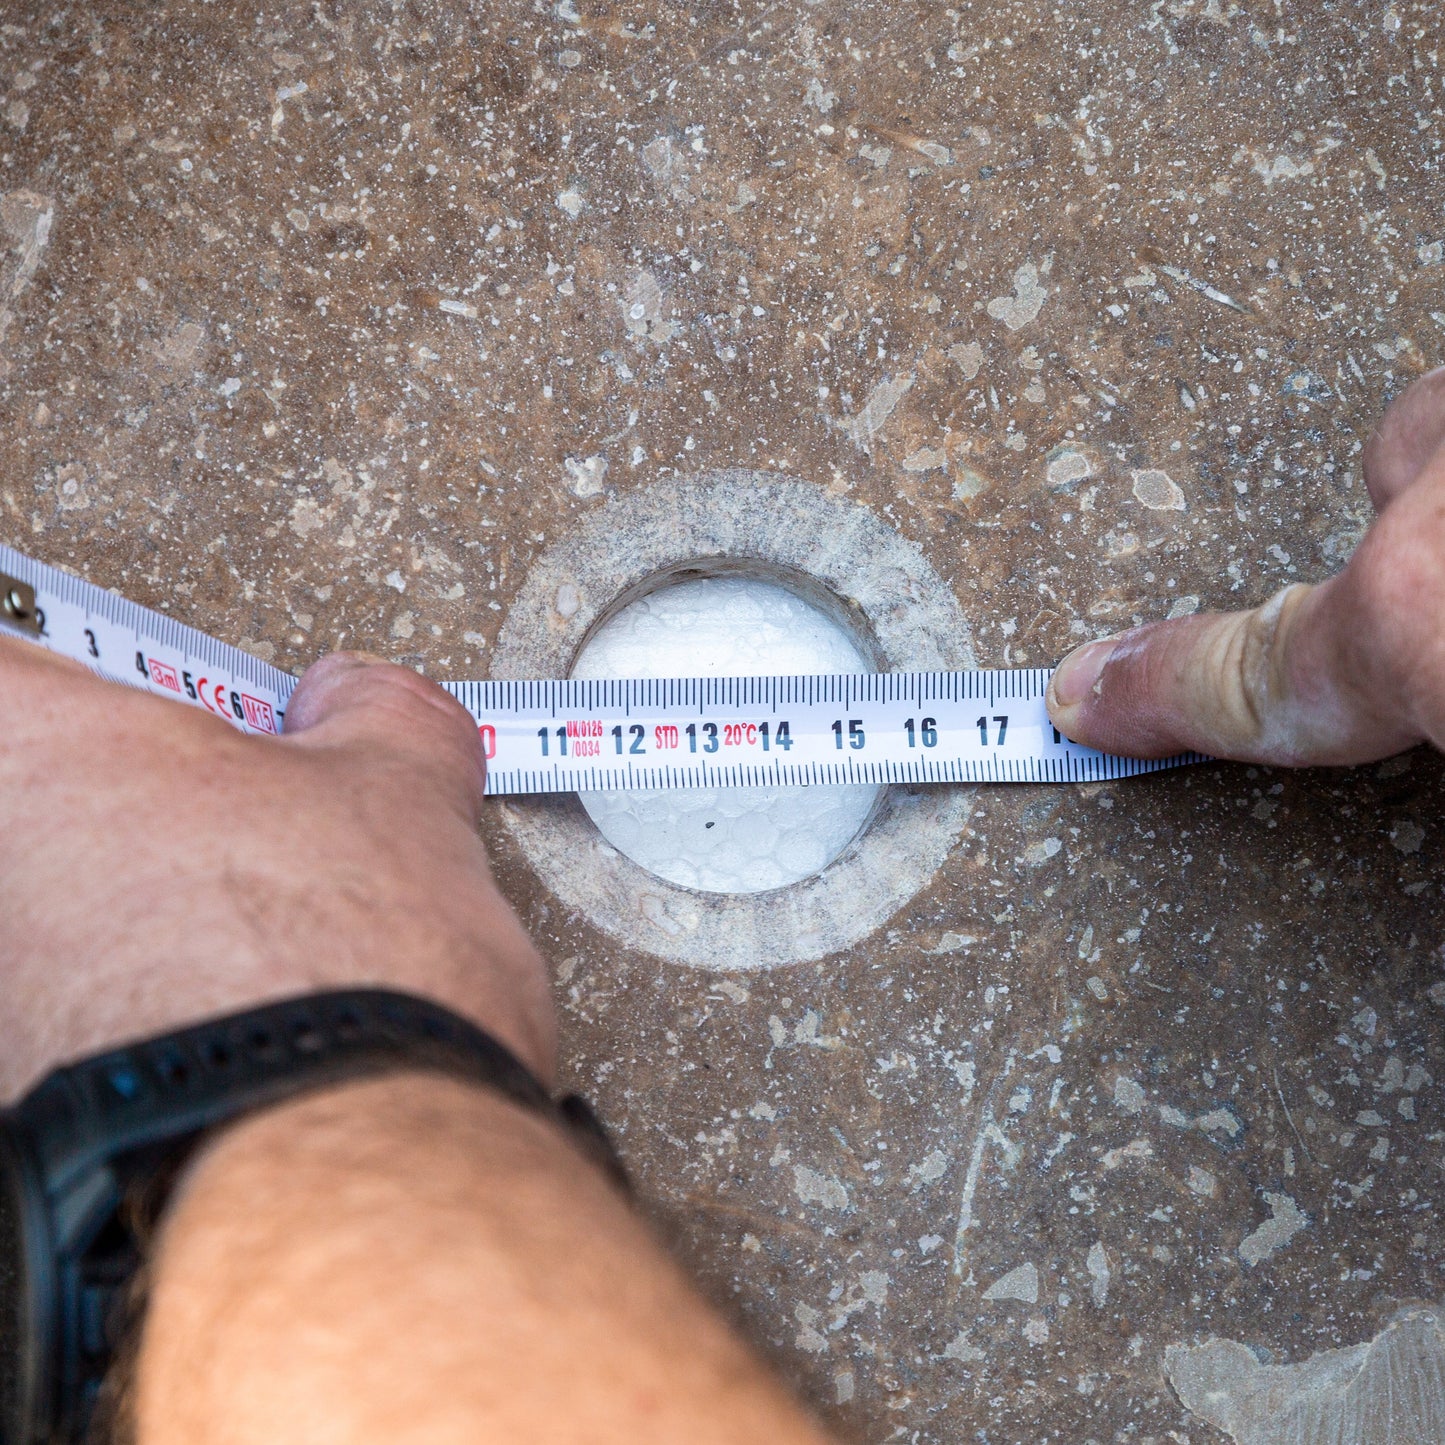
(134, 985)
(90, 1155)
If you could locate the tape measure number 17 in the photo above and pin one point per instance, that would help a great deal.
(568, 735)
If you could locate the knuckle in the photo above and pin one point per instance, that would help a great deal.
(423, 701)
(1251, 671)
(1242, 678)
(1400, 594)
(378, 702)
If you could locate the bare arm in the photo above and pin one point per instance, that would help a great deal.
(409, 1259)
(415, 1260)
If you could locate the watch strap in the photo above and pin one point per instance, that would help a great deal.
(89, 1133)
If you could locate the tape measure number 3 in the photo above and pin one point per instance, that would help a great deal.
(565, 735)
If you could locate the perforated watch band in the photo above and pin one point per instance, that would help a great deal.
(79, 1144)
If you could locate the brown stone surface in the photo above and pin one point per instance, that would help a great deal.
(313, 319)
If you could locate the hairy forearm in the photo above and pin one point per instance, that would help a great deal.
(412, 1259)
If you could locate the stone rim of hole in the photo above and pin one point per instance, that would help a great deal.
(775, 526)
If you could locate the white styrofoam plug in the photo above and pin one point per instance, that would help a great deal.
(726, 840)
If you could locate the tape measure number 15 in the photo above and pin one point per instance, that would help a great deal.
(569, 735)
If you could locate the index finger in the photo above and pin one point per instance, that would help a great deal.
(1346, 672)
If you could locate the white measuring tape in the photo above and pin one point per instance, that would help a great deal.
(570, 736)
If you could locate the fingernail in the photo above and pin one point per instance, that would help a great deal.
(1078, 674)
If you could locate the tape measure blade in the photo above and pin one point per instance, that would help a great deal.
(545, 736)
(141, 648)
(823, 729)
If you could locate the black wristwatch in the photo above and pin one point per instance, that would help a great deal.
(79, 1151)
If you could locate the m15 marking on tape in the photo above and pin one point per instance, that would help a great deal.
(583, 735)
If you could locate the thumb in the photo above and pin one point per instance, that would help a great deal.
(1289, 682)
(354, 701)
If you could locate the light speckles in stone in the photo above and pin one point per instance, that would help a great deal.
(1389, 1391)
(968, 357)
(813, 1187)
(1202, 1182)
(585, 475)
(1017, 310)
(71, 492)
(25, 221)
(928, 1170)
(668, 165)
(1271, 169)
(809, 1338)
(1020, 1283)
(951, 942)
(1158, 491)
(819, 98)
(969, 484)
(1136, 1151)
(180, 350)
(1129, 1095)
(962, 1350)
(642, 309)
(881, 403)
(455, 307)
(925, 459)
(1067, 466)
(1097, 1264)
(1286, 1219)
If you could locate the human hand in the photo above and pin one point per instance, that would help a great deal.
(406, 1258)
(1344, 672)
(160, 868)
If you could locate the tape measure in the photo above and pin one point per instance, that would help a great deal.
(585, 735)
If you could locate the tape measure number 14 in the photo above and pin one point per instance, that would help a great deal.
(571, 735)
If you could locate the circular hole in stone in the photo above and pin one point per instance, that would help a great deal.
(726, 840)
(831, 552)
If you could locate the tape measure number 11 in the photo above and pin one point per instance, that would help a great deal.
(574, 735)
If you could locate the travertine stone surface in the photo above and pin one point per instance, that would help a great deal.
(320, 322)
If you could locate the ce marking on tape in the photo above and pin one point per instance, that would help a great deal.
(138, 648)
(228, 703)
